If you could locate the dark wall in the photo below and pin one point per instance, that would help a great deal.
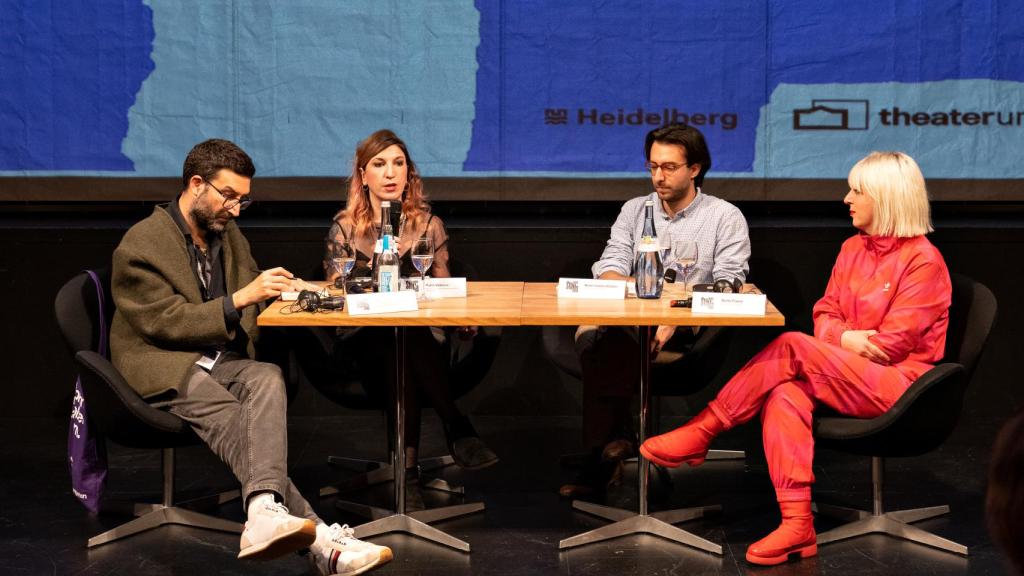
(794, 246)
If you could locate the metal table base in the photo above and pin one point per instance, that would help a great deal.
(627, 522)
(415, 523)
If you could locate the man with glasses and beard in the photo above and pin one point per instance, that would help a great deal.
(677, 158)
(187, 293)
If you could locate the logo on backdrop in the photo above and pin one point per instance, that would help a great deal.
(832, 115)
(854, 115)
(639, 117)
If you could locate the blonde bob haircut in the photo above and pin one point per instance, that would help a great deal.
(895, 183)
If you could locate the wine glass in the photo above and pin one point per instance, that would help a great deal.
(422, 258)
(684, 255)
(343, 259)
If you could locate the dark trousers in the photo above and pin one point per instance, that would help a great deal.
(610, 362)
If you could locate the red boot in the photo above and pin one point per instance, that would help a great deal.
(688, 443)
(794, 536)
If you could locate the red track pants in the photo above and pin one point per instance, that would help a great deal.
(785, 381)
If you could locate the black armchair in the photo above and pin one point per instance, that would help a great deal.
(121, 415)
(919, 422)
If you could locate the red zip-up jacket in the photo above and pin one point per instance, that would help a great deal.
(897, 286)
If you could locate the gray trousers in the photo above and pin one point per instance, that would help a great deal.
(239, 410)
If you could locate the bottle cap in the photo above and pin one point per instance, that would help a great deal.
(649, 203)
(385, 204)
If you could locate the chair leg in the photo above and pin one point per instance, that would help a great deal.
(155, 515)
(895, 524)
(145, 522)
(915, 534)
(841, 512)
(868, 525)
(436, 462)
(918, 514)
(685, 514)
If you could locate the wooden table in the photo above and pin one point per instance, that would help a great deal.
(530, 304)
(485, 304)
(541, 306)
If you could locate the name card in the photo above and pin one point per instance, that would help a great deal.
(591, 288)
(289, 296)
(381, 302)
(724, 303)
(437, 288)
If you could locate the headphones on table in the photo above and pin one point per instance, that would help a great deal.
(310, 301)
(723, 285)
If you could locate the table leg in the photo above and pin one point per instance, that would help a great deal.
(400, 521)
(627, 523)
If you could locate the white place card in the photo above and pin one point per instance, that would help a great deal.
(381, 302)
(289, 296)
(437, 288)
(724, 303)
(590, 288)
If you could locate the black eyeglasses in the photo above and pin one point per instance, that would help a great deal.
(667, 167)
(230, 202)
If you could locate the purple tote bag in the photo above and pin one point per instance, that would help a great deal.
(87, 451)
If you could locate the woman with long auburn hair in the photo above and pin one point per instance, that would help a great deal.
(880, 325)
(384, 170)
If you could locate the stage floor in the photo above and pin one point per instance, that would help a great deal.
(43, 529)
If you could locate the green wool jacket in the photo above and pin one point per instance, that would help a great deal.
(161, 323)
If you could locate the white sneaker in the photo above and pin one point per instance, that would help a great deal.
(337, 552)
(271, 531)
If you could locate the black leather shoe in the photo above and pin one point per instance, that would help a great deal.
(618, 450)
(471, 453)
(593, 480)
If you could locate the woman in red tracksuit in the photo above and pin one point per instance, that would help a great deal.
(881, 324)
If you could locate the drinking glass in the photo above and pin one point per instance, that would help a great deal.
(684, 256)
(343, 259)
(422, 258)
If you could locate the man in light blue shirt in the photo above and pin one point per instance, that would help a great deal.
(677, 158)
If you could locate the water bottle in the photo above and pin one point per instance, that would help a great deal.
(648, 268)
(387, 270)
(385, 231)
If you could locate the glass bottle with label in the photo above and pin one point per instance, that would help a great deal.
(648, 269)
(388, 269)
(385, 230)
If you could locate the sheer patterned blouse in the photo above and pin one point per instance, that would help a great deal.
(343, 229)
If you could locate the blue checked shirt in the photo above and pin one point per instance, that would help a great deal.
(718, 228)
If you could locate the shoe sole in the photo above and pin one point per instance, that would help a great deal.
(384, 558)
(804, 552)
(286, 543)
(692, 461)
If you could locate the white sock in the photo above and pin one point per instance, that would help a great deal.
(256, 502)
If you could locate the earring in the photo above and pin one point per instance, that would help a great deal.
(366, 189)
